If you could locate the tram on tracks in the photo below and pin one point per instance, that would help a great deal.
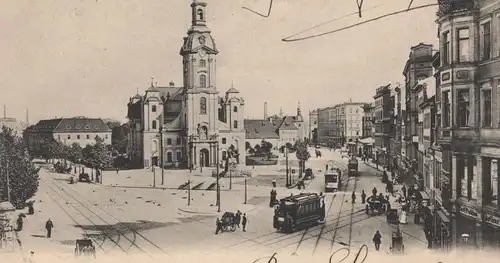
(298, 212)
(332, 177)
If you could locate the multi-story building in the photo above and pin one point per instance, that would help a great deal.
(186, 122)
(367, 121)
(79, 130)
(417, 67)
(469, 88)
(313, 126)
(340, 123)
(382, 114)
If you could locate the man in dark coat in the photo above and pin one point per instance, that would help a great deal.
(363, 196)
(353, 197)
(218, 228)
(48, 226)
(403, 190)
(244, 222)
(377, 240)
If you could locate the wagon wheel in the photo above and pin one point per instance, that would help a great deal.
(233, 227)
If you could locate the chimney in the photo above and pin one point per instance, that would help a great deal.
(265, 110)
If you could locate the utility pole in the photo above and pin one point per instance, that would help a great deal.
(286, 163)
(161, 155)
(154, 175)
(245, 190)
(217, 164)
(189, 189)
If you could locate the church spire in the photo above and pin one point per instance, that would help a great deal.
(198, 9)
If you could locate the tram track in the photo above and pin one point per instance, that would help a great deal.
(323, 226)
(66, 197)
(338, 220)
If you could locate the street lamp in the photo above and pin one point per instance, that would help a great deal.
(215, 142)
(161, 155)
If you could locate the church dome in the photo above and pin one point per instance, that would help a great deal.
(196, 40)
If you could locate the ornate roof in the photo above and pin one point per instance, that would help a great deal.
(63, 125)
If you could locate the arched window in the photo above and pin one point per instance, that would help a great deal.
(235, 109)
(203, 81)
(203, 105)
(199, 14)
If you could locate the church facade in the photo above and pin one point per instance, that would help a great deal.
(187, 122)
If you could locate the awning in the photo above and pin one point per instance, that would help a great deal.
(6, 207)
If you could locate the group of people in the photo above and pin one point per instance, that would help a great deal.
(237, 220)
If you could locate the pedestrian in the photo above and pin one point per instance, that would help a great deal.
(363, 196)
(374, 191)
(377, 240)
(274, 182)
(48, 226)
(117, 170)
(323, 211)
(244, 222)
(403, 189)
(19, 223)
(218, 228)
(353, 196)
(238, 218)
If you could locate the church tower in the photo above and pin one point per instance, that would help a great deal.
(200, 106)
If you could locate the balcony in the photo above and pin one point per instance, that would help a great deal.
(489, 137)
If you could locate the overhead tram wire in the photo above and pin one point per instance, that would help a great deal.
(288, 39)
(257, 13)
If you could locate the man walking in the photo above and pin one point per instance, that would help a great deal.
(377, 240)
(353, 196)
(218, 228)
(363, 196)
(244, 222)
(48, 226)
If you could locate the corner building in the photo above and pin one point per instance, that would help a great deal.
(469, 106)
(185, 121)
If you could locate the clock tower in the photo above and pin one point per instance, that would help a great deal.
(200, 106)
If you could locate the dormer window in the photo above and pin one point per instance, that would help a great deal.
(199, 14)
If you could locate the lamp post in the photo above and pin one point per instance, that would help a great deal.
(161, 155)
(216, 142)
(286, 166)
(245, 191)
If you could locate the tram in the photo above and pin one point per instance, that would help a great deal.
(298, 212)
(332, 177)
(353, 167)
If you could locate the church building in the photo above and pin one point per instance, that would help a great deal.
(187, 122)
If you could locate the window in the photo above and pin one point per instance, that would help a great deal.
(486, 114)
(463, 110)
(153, 108)
(446, 48)
(169, 157)
(179, 141)
(169, 141)
(153, 124)
(235, 124)
(203, 81)
(199, 14)
(178, 158)
(235, 109)
(78, 137)
(486, 40)
(223, 140)
(69, 136)
(88, 137)
(203, 63)
(446, 109)
(105, 136)
(463, 45)
(224, 155)
(203, 105)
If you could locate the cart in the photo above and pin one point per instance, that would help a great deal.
(397, 242)
(228, 221)
(374, 206)
(85, 247)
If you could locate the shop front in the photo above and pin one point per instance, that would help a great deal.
(465, 234)
(441, 229)
(491, 231)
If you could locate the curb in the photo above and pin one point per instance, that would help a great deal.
(198, 213)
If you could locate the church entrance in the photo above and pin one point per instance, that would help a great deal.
(204, 158)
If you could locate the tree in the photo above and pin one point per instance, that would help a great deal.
(15, 162)
(266, 147)
(75, 153)
(119, 136)
(101, 156)
(302, 154)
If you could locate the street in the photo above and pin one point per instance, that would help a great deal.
(157, 222)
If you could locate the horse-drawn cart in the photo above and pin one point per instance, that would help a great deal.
(397, 241)
(85, 247)
(228, 221)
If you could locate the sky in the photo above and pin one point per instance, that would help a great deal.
(88, 57)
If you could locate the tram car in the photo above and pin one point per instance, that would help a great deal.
(298, 212)
(353, 167)
(332, 177)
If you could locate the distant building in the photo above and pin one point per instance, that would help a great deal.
(341, 123)
(79, 130)
(12, 123)
(382, 115)
(278, 130)
(313, 125)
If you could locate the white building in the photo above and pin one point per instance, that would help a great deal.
(192, 112)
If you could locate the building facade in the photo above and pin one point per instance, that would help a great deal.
(382, 115)
(469, 116)
(367, 121)
(313, 126)
(186, 122)
(67, 131)
(341, 123)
